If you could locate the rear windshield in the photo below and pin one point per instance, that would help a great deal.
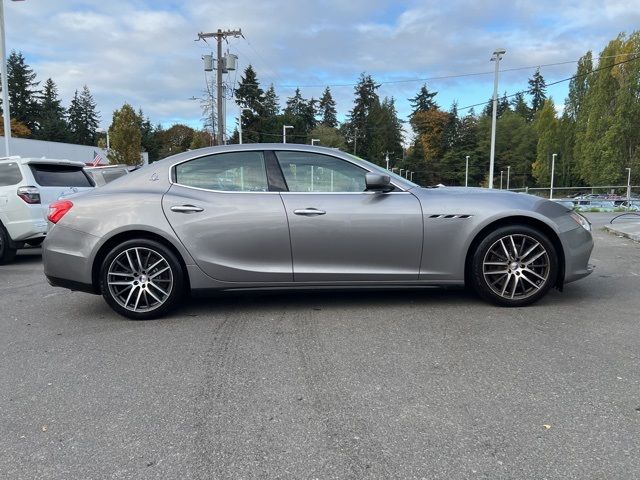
(9, 174)
(60, 176)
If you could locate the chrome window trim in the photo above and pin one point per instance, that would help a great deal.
(172, 167)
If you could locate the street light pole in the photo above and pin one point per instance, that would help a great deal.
(284, 132)
(553, 169)
(629, 188)
(411, 175)
(314, 140)
(401, 171)
(387, 160)
(508, 172)
(5, 87)
(501, 179)
(466, 172)
(497, 55)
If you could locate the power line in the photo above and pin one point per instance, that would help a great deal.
(556, 82)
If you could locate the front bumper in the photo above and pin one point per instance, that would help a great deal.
(577, 244)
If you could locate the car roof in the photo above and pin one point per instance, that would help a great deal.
(42, 161)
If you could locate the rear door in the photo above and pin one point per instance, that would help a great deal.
(230, 217)
(57, 181)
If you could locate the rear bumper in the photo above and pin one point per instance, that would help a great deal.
(578, 244)
(66, 257)
(72, 285)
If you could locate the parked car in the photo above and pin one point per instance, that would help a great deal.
(27, 187)
(105, 174)
(279, 216)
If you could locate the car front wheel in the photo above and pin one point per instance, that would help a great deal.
(514, 266)
(141, 279)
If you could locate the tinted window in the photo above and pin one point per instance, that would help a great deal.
(60, 176)
(312, 172)
(9, 174)
(231, 172)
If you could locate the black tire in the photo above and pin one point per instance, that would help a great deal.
(7, 252)
(115, 295)
(504, 273)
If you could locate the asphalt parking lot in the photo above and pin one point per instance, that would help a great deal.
(395, 384)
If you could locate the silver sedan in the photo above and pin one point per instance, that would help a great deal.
(277, 216)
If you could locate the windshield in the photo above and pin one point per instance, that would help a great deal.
(373, 166)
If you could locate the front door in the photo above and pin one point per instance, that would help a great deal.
(339, 232)
(222, 210)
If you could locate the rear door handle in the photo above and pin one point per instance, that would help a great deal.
(309, 212)
(186, 209)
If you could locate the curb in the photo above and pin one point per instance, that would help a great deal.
(632, 236)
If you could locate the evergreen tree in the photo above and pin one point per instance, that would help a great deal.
(52, 124)
(538, 91)
(502, 105)
(296, 105)
(547, 127)
(23, 91)
(519, 106)
(271, 102)
(83, 118)
(387, 132)
(149, 140)
(358, 129)
(423, 101)
(125, 137)
(249, 94)
(327, 108)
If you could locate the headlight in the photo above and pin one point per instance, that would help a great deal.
(581, 220)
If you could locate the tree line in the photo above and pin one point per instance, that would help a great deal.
(595, 136)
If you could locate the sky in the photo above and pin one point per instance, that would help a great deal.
(144, 52)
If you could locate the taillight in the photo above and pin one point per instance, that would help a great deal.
(58, 209)
(29, 194)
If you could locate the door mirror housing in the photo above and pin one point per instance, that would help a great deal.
(378, 182)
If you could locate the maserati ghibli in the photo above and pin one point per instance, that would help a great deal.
(284, 216)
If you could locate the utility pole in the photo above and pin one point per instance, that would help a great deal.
(387, 160)
(219, 36)
(501, 179)
(508, 172)
(497, 55)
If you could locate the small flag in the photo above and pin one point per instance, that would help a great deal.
(97, 158)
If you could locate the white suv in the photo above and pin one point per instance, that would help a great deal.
(27, 187)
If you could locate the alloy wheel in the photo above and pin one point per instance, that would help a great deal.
(140, 279)
(516, 266)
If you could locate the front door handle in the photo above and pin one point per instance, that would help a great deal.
(309, 212)
(186, 209)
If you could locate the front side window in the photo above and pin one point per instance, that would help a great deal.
(313, 172)
(227, 172)
(9, 174)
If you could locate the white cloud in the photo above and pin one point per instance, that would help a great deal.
(144, 52)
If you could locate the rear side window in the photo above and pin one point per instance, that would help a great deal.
(9, 174)
(60, 176)
(229, 172)
(111, 175)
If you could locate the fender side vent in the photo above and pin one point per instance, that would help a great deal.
(449, 216)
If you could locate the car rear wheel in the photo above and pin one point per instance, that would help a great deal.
(7, 253)
(514, 266)
(141, 279)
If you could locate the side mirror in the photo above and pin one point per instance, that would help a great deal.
(377, 182)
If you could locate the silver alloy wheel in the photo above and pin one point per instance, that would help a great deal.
(140, 279)
(516, 266)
